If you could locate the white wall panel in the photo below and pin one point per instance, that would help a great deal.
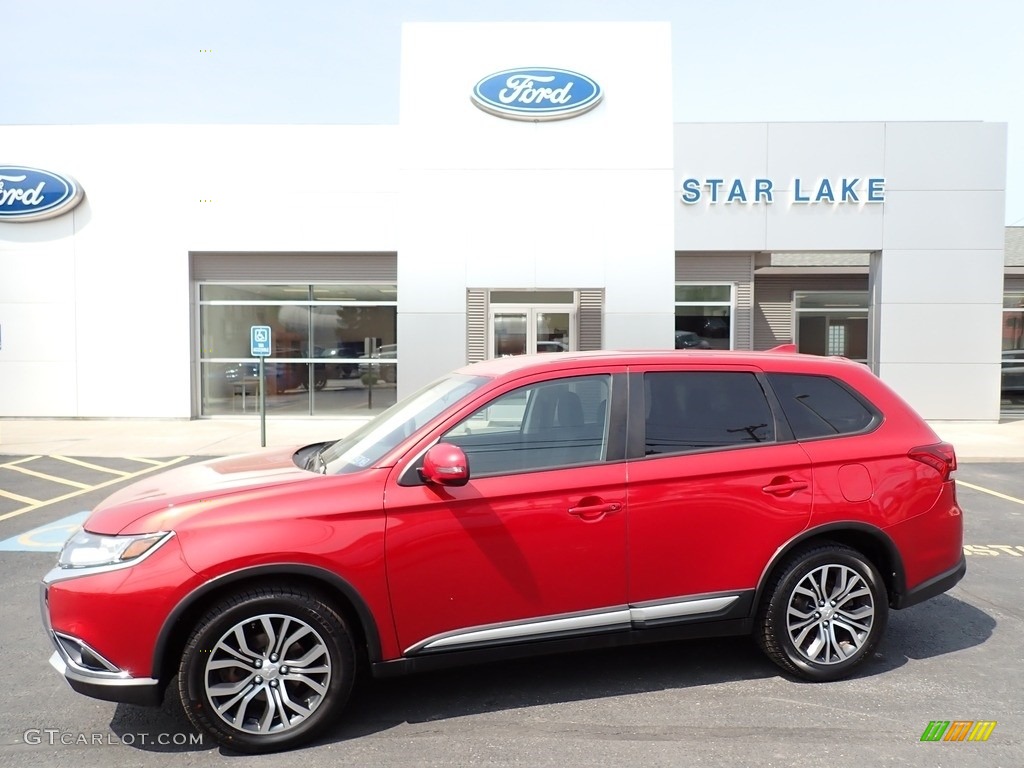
(974, 277)
(957, 391)
(432, 343)
(940, 333)
(636, 330)
(945, 156)
(34, 388)
(944, 220)
(823, 227)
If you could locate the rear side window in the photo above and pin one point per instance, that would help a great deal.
(819, 406)
(701, 410)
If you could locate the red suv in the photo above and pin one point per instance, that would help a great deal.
(516, 506)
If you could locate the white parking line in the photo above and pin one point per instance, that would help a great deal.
(990, 492)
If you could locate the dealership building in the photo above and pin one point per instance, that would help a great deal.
(536, 195)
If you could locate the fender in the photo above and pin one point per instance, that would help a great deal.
(329, 578)
(836, 530)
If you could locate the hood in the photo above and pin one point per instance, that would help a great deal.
(202, 481)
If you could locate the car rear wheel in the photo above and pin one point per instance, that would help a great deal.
(824, 613)
(264, 670)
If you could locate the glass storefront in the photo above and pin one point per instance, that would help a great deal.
(334, 348)
(832, 323)
(704, 316)
(1012, 374)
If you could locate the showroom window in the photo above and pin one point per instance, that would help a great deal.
(333, 348)
(832, 323)
(1012, 378)
(704, 313)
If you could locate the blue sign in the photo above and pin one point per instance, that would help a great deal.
(259, 340)
(536, 93)
(30, 194)
(845, 189)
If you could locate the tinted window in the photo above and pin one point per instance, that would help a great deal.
(695, 410)
(545, 425)
(817, 406)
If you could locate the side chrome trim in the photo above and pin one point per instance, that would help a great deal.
(680, 608)
(613, 619)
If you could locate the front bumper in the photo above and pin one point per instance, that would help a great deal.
(108, 686)
(103, 623)
(89, 673)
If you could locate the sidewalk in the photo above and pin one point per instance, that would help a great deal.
(161, 438)
(158, 438)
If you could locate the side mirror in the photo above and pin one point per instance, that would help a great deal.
(445, 464)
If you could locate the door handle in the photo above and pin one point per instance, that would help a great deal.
(785, 486)
(592, 512)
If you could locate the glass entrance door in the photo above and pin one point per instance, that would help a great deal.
(530, 330)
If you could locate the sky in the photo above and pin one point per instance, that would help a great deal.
(337, 61)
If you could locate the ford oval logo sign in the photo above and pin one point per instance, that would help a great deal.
(30, 194)
(536, 93)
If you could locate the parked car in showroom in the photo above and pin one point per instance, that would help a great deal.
(1012, 373)
(690, 340)
(516, 506)
(387, 372)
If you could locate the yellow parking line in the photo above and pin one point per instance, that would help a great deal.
(16, 497)
(51, 478)
(112, 481)
(22, 460)
(143, 461)
(990, 492)
(87, 465)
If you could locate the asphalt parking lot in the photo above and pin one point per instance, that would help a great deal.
(954, 658)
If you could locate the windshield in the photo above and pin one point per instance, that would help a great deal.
(370, 443)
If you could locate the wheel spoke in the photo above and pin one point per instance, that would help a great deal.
(830, 614)
(262, 692)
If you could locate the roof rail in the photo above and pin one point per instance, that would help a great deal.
(784, 349)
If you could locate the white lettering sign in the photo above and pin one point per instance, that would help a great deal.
(12, 195)
(521, 90)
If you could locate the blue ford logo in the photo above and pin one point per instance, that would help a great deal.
(536, 93)
(30, 194)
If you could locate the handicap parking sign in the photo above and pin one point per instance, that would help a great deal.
(259, 340)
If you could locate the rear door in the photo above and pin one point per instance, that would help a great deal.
(716, 485)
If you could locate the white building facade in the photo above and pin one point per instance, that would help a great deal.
(384, 256)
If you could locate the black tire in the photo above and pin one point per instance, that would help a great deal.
(265, 694)
(823, 613)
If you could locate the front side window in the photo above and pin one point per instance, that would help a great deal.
(817, 406)
(703, 410)
(541, 426)
(704, 316)
(371, 442)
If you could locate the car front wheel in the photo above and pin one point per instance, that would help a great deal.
(824, 613)
(265, 669)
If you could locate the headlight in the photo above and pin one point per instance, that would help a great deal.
(86, 550)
